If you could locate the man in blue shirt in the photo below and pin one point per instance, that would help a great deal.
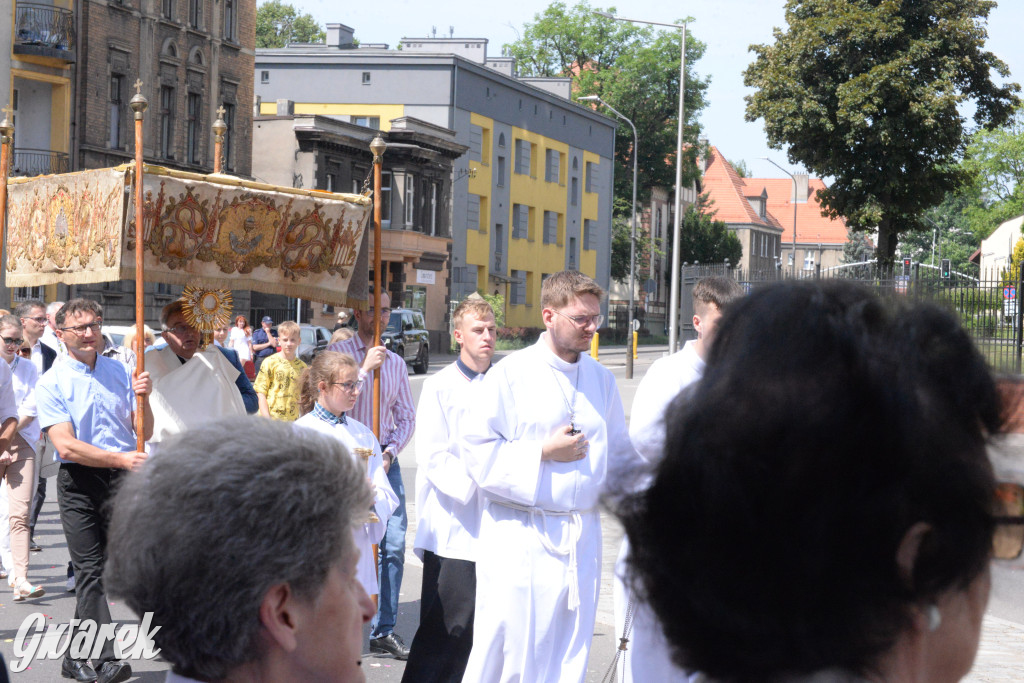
(86, 405)
(264, 343)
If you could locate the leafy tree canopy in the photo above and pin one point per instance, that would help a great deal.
(704, 239)
(949, 225)
(867, 93)
(995, 165)
(634, 69)
(278, 23)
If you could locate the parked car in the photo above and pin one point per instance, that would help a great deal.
(114, 334)
(406, 335)
(312, 340)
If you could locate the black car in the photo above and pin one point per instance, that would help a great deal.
(312, 340)
(406, 335)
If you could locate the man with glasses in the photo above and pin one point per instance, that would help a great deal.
(545, 436)
(192, 386)
(397, 422)
(86, 404)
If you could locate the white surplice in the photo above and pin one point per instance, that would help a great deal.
(192, 393)
(448, 504)
(647, 658)
(355, 434)
(539, 550)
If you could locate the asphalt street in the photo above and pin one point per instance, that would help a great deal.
(1001, 657)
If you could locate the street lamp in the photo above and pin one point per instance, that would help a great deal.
(794, 205)
(673, 304)
(632, 235)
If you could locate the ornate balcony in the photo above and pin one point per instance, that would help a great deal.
(33, 162)
(44, 31)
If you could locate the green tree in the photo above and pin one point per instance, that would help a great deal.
(704, 239)
(867, 92)
(741, 168)
(948, 224)
(995, 164)
(635, 69)
(278, 23)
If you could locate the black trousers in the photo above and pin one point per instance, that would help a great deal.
(444, 638)
(83, 494)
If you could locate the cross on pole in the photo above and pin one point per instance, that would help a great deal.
(221, 111)
(138, 86)
(7, 111)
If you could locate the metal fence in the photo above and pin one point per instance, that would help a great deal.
(987, 306)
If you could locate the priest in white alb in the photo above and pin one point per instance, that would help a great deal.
(192, 386)
(542, 436)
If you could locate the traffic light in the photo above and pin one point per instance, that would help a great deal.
(906, 267)
(945, 269)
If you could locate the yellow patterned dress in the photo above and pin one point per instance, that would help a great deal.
(278, 380)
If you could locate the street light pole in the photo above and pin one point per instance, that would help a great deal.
(632, 236)
(673, 303)
(794, 206)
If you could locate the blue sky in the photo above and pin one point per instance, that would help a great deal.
(728, 27)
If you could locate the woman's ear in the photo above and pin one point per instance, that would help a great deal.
(907, 552)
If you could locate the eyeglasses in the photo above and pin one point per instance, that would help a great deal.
(383, 311)
(182, 330)
(1008, 540)
(349, 386)
(583, 321)
(9, 341)
(25, 352)
(41, 319)
(82, 329)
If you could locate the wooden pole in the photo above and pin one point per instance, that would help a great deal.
(219, 127)
(377, 146)
(6, 143)
(139, 104)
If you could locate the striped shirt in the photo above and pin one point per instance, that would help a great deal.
(398, 413)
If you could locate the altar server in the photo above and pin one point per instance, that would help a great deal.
(546, 433)
(448, 504)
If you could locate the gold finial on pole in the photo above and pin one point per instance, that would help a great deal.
(219, 128)
(138, 103)
(6, 127)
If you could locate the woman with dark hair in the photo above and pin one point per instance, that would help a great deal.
(828, 495)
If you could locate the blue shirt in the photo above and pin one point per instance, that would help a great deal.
(260, 336)
(97, 402)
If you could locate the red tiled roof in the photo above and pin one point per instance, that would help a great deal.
(726, 189)
(811, 226)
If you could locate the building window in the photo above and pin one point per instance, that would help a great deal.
(194, 126)
(28, 294)
(434, 209)
(476, 137)
(410, 200)
(522, 160)
(366, 78)
(501, 172)
(367, 121)
(588, 234)
(590, 183)
(517, 290)
(330, 182)
(574, 191)
(195, 12)
(499, 245)
(229, 20)
(790, 259)
(264, 77)
(809, 260)
(473, 212)
(551, 166)
(168, 9)
(385, 199)
(520, 221)
(116, 103)
(550, 227)
(501, 140)
(167, 122)
(572, 253)
(229, 119)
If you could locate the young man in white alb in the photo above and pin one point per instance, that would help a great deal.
(448, 504)
(541, 438)
(647, 657)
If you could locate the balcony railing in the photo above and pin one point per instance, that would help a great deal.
(33, 162)
(45, 27)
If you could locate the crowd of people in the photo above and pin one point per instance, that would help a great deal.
(805, 488)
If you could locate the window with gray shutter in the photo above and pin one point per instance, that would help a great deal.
(520, 221)
(550, 227)
(473, 212)
(551, 166)
(591, 178)
(522, 157)
(476, 136)
(517, 292)
(588, 233)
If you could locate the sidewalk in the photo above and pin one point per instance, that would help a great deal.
(1001, 653)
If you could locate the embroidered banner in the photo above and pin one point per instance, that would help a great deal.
(209, 231)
